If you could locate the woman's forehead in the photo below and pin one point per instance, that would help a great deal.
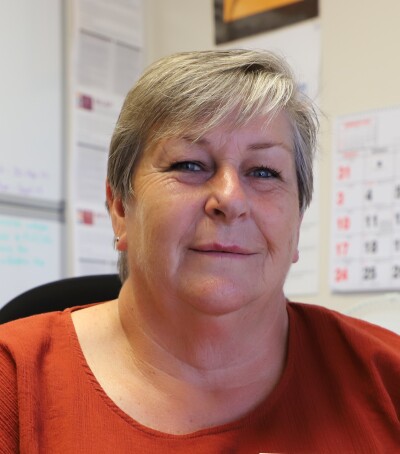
(198, 130)
(258, 133)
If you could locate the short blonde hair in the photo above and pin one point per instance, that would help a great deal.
(196, 91)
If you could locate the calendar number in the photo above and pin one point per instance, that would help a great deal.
(342, 248)
(344, 223)
(341, 275)
(371, 220)
(344, 173)
(340, 198)
(396, 272)
(369, 273)
(371, 247)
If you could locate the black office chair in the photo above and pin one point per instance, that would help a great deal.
(58, 295)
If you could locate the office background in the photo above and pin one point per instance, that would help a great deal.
(359, 72)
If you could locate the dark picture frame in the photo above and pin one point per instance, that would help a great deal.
(268, 20)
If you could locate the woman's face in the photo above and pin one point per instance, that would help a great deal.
(214, 224)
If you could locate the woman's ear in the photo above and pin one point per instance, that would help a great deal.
(117, 213)
(296, 254)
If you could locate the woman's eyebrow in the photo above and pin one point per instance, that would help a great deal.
(264, 145)
(267, 145)
(196, 141)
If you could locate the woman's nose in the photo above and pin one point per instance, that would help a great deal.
(227, 199)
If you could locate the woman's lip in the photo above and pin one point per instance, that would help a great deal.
(215, 247)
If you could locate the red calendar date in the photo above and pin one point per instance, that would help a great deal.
(343, 223)
(344, 173)
(342, 248)
(341, 275)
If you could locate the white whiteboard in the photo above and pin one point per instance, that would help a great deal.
(31, 57)
(30, 254)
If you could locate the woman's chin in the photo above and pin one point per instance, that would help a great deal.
(218, 298)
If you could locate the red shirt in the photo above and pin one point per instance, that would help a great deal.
(339, 393)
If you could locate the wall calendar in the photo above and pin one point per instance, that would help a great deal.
(365, 230)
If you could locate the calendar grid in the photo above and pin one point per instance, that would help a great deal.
(365, 240)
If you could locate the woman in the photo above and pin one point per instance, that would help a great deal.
(210, 171)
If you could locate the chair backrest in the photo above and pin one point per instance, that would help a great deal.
(58, 295)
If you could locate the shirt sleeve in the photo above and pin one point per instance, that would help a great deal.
(8, 403)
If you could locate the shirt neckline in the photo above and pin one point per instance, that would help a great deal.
(263, 411)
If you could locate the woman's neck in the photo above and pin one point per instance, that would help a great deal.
(179, 376)
(209, 353)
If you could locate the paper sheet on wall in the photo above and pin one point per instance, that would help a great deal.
(365, 243)
(30, 254)
(107, 60)
(303, 276)
(301, 46)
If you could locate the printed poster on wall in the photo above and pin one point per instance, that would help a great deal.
(106, 61)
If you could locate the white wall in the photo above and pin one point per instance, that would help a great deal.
(360, 66)
(177, 26)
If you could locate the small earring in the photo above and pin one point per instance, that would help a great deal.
(116, 239)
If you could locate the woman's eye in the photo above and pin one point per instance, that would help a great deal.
(187, 166)
(264, 172)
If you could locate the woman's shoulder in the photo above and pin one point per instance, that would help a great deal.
(349, 374)
(332, 329)
(28, 329)
(36, 333)
(321, 314)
